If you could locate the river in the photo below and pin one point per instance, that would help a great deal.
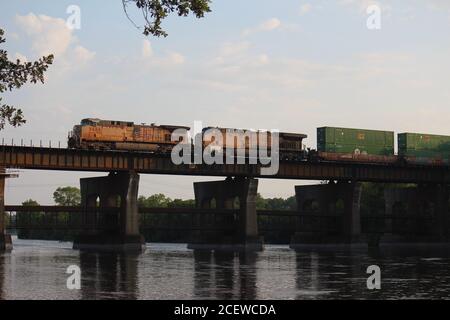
(37, 270)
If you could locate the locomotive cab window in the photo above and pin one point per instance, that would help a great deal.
(88, 122)
(85, 122)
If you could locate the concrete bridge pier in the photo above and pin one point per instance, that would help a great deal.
(5, 239)
(110, 214)
(441, 223)
(331, 214)
(418, 213)
(237, 232)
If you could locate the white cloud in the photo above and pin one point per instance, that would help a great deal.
(21, 57)
(305, 8)
(49, 35)
(268, 25)
(83, 55)
(271, 24)
(362, 5)
(439, 4)
(176, 58)
(13, 36)
(147, 50)
(263, 59)
(153, 60)
(234, 48)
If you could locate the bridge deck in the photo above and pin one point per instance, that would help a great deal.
(38, 158)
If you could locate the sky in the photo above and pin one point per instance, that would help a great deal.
(287, 65)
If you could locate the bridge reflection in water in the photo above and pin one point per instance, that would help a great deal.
(2, 276)
(37, 270)
(109, 276)
(225, 275)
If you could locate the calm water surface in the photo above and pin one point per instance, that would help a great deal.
(37, 270)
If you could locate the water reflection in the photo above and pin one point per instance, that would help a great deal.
(108, 276)
(37, 270)
(224, 275)
(2, 274)
(248, 276)
(339, 274)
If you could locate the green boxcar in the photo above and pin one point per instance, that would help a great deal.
(423, 145)
(346, 140)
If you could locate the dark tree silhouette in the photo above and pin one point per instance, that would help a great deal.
(154, 11)
(13, 75)
(67, 196)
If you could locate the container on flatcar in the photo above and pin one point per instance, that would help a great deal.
(357, 141)
(427, 161)
(354, 157)
(421, 145)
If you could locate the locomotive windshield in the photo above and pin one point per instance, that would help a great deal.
(89, 122)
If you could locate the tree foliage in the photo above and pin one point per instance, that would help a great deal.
(13, 75)
(67, 196)
(276, 203)
(154, 11)
(154, 201)
(161, 201)
(30, 203)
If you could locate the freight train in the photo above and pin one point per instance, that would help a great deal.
(333, 144)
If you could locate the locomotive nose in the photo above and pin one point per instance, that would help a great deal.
(71, 142)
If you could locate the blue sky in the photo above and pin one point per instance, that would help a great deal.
(287, 65)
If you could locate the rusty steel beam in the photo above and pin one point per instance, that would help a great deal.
(147, 163)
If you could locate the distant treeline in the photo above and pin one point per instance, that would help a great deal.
(162, 201)
(372, 200)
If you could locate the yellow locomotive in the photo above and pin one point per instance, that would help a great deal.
(290, 144)
(97, 134)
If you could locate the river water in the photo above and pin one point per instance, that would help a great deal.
(37, 270)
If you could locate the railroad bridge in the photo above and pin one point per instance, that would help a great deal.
(119, 189)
